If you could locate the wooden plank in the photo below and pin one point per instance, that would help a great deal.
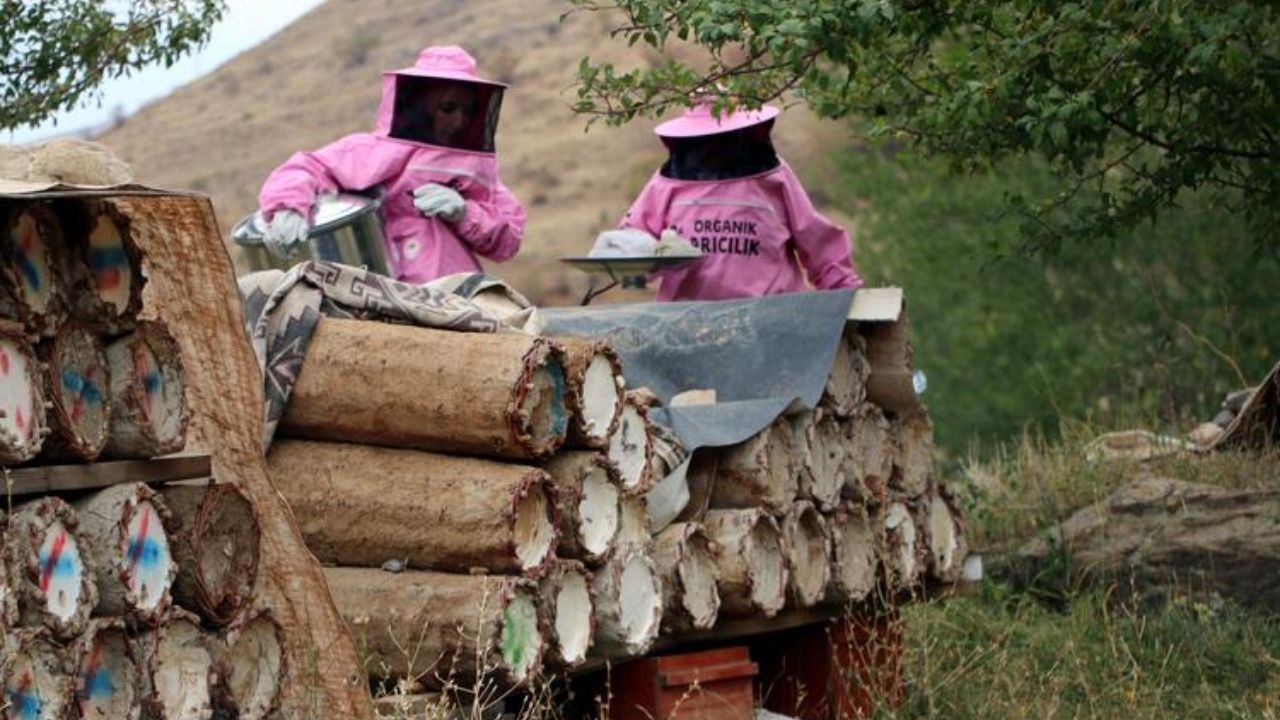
(69, 478)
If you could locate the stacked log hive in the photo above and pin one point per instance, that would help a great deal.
(95, 619)
(487, 521)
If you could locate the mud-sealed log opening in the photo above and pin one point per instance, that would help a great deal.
(148, 394)
(854, 546)
(79, 388)
(573, 617)
(21, 400)
(113, 262)
(542, 412)
(521, 642)
(33, 285)
(535, 535)
(107, 674)
(61, 575)
(252, 667)
(35, 686)
(807, 546)
(149, 564)
(598, 512)
(599, 397)
(946, 538)
(630, 449)
(767, 568)
(640, 600)
(181, 668)
(696, 572)
(901, 548)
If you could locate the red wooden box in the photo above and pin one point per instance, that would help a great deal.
(708, 685)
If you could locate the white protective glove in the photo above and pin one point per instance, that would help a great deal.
(628, 242)
(439, 201)
(286, 233)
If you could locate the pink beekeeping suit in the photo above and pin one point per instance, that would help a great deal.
(743, 208)
(404, 153)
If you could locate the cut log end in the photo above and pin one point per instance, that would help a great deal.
(54, 576)
(541, 418)
(685, 559)
(751, 567)
(22, 416)
(107, 674)
(77, 385)
(807, 546)
(181, 669)
(148, 394)
(148, 561)
(114, 269)
(854, 561)
(251, 668)
(631, 450)
(216, 549)
(521, 641)
(32, 288)
(947, 543)
(572, 618)
(601, 400)
(768, 570)
(35, 684)
(760, 472)
(628, 605)
(534, 533)
(598, 512)
(62, 573)
(902, 549)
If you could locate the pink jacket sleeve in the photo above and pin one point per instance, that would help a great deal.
(494, 228)
(823, 247)
(356, 162)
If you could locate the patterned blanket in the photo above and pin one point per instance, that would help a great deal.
(282, 309)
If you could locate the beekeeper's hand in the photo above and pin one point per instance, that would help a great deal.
(286, 233)
(627, 242)
(439, 201)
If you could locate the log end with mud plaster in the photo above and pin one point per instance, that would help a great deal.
(594, 391)
(628, 596)
(822, 457)
(846, 383)
(684, 557)
(77, 384)
(760, 472)
(913, 459)
(904, 553)
(431, 511)
(177, 669)
(631, 448)
(106, 265)
(948, 544)
(34, 289)
(751, 564)
(215, 542)
(855, 554)
(808, 543)
(438, 629)
(107, 674)
(53, 574)
(466, 393)
(22, 401)
(566, 613)
(37, 681)
(249, 661)
(633, 523)
(123, 530)
(149, 412)
(871, 452)
(587, 496)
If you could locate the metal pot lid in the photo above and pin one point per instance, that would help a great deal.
(331, 211)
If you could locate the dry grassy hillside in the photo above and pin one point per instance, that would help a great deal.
(318, 79)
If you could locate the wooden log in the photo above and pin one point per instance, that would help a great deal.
(856, 539)
(846, 383)
(177, 669)
(38, 683)
(107, 674)
(890, 381)
(631, 448)
(122, 530)
(871, 455)
(822, 457)
(751, 566)
(34, 289)
(105, 267)
(628, 610)
(22, 402)
(808, 549)
(214, 541)
(701, 478)
(913, 459)
(437, 629)
(587, 499)
(497, 395)
(53, 576)
(760, 472)
(566, 613)
(684, 557)
(633, 524)
(432, 511)
(1159, 538)
(249, 662)
(149, 412)
(904, 553)
(594, 391)
(944, 534)
(77, 385)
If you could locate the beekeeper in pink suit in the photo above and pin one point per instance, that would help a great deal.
(724, 190)
(432, 152)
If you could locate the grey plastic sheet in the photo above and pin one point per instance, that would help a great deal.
(762, 356)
